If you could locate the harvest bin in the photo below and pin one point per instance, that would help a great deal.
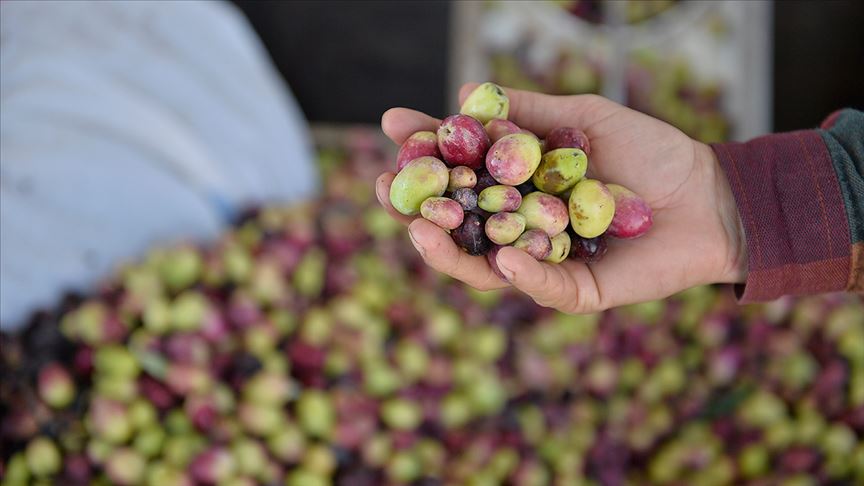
(310, 345)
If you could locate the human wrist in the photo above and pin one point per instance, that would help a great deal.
(734, 244)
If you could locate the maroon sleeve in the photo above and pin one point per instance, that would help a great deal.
(793, 214)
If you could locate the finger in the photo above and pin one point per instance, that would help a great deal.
(465, 90)
(542, 113)
(568, 286)
(438, 250)
(401, 123)
(382, 192)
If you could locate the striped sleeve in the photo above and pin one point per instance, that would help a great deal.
(799, 196)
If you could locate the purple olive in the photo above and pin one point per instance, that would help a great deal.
(466, 197)
(589, 250)
(471, 235)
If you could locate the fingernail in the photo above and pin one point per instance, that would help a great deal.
(378, 191)
(417, 245)
(508, 274)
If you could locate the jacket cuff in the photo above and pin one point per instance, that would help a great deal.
(793, 215)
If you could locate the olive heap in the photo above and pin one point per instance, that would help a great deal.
(505, 186)
(311, 346)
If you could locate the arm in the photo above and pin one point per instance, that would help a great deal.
(695, 239)
(800, 197)
(775, 204)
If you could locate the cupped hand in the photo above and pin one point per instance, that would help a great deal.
(696, 237)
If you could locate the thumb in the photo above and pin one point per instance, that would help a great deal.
(549, 285)
(542, 113)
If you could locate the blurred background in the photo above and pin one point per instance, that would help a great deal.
(802, 58)
(199, 288)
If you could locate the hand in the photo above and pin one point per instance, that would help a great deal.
(696, 238)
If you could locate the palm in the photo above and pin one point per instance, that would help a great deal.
(660, 163)
(675, 175)
(654, 159)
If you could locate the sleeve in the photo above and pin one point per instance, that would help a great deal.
(800, 196)
(844, 136)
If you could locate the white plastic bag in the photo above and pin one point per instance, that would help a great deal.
(125, 125)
